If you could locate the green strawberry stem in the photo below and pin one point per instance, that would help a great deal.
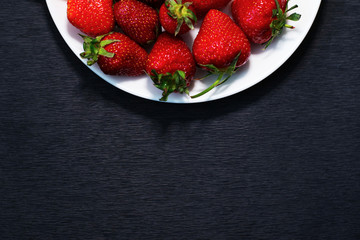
(215, 84)
(229, 71)
(170, 83)
(93, 47)
(279, 22)
(181, 13)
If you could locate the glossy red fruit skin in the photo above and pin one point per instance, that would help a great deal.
(93, 17)
(137, 20)
(202, 7)
(129, 58)
(255, 17)
(219, 41)
(169, 55)
(169, 23)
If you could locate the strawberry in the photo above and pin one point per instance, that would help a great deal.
(177, 17)
(171, 65)
(220, 46)
(92, 17)
(262, 20)
(203, 6)
(138, 21)
(153, 3)
(115, 53)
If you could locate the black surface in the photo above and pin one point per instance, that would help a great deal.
(81, 159)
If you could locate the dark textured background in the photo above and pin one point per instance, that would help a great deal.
(81, 159)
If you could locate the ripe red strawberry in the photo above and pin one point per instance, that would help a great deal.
(115, 53)
(203, 6)
(171, 65)
(177, 17)
(262, 20)
(153, 3)
(92, 17)
(138, 21)
(220, 46)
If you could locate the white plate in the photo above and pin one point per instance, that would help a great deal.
(260, 65)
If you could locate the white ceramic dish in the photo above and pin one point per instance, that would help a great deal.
(260, 65)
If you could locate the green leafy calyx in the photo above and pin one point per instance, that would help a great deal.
(170, 83)
(224, 72)
(279, 22)
(181, 12)
(94, 47)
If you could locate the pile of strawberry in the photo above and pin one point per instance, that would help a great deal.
(116, 34)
